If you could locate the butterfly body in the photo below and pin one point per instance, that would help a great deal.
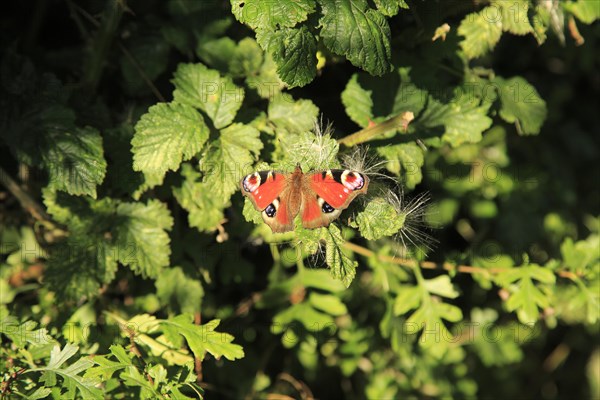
(318, 197)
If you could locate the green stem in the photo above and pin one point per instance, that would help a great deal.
(367, 134)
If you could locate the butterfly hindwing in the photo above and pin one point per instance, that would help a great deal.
(269, 192)
(331, 191)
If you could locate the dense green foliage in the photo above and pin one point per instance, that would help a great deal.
(132, 267)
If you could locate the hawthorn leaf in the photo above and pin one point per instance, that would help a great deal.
(173, 286)
(202, 338)
(404, 159)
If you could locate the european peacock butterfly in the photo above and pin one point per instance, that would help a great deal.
(319, 197)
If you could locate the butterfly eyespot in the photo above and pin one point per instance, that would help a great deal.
(251, 182)
(327, 208)
(352, 180)
(270, 210)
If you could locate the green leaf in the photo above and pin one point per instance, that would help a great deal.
(105, 368)
(581, 257)
(204, 207)
(587, 11)
(514, 15)
(441, 286)
(294, 51)
(361, 34)
(228, 158)
(481, 32)
(143, 243)
(342, 267)
(75, 161)
(526, 297)
(70, 374)
(408, 298)
(294, 116)
(404, 159)
(202, 338)
(358, 102)
(173, 285)
(21, 334)
(330, 304)
(389, 8)
(464, 120)
(271, 14)
(379, 219)
(203, 88)
(167, 135)
(368, 99)
(521, 104)
(247, 58)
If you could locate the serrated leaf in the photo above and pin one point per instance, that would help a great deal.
(521, 104)
(481, 32)
(23, 333)
(173, 285)
(464, 120)
(312, 151)
(247, 58)
(105, 368)
(342, 267)
(166, 135)
(203, 338)
(75, 161)
(389, 8)
(368, 99)
(357, 102)
(205, 208)
(142, 239)
(361, 34)
(294, 52)
(587, 11)
(203, 88)
(294, 116)
(379, 219)
(227, 159)
(405, 160)
(271, 14)
(514, 15)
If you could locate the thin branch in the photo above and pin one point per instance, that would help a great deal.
(26, 201)
(468, 269)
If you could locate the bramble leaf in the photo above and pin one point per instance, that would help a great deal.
(342, 267)
(361, 34)
(75, 161)
(271, 14)
(521, 104)
(203, 88)
(166, 135)
(481, 31)
(294, 116)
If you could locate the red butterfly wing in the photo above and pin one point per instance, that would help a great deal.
(270, 193)
(330, 192)
(263, 187)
